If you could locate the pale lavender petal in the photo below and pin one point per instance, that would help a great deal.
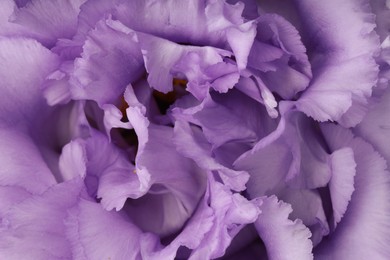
(240, 40)
(110, 175)
(341, 184)
(72, 161)
(21, 98)
(231, 212)
(22, 163)
(108, 234)
(375, 126)
(35, 227)
(343, 62)
(363, 231)
(200, 152)
(185, 179)
(47, 21)
(111, 59)
(201, 66)
(291, 72)
(56, 89)
(284, 239)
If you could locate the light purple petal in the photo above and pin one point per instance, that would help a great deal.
(284, 239)
(170, 169)
(200, 152)
(240, 40)
(35, 227)
(72, 161)
(363, 231)
(343, 65)
(96, 233)
(110, 175)
(201, 66)
(111, 59)
(219, 123)
(231, 212)
(22, 163)
(284, 65)
(21, 98)
(341, 184)
(47, 21)
(375, 126)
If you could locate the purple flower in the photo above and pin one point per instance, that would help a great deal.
(190, 129)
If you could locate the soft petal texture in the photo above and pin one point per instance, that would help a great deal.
(221, 124)
(203, 67)
(200, 152)
(111, 59)
(22, 163)
(107, 235)
(283, 66)
(107, 167)
(240, 40)
(72, 161)
(46, 21)
(364, 230)
(284, 239)
(231, 211)
(375, 126)
(343, 61)
(341, 184)
(24, 64)
(36, 225)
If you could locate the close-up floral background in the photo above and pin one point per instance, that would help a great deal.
(194, 129)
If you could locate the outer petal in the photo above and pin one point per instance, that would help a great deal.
(46, 21)
(111, 59)
(364, 231)
(375, 127)
(284, 239)
(341, 185)
(34, 229)
(343, 63)
(96, 233)
(23, 66)
(22, 163)
(285, 68)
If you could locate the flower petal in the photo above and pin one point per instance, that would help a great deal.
(200, 152)
(231, 213)
(35, 226)
(48, 21)
(341, 184)
(375, 126)
(22, 163)
(21, 98)
(111, 59)
(343, 62)
(88, 235)
(363, 231)
(284, 239)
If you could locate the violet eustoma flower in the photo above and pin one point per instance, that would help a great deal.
(199, 129)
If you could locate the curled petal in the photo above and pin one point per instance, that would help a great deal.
(88, 236)
(344, 68)
(284, 239)
(363, 231)
(21, 98)
(36, 226)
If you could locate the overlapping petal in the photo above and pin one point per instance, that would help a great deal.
(364, 231)
(284, 239)
(343, 62)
